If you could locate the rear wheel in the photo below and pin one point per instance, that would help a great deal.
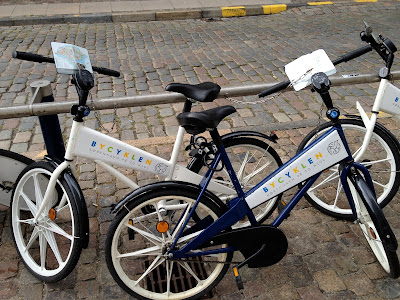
(12, 165)
(135, 249)
(49, 249)
(253, 160)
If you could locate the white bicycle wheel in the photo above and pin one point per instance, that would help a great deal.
(368, 220)
(135, 249)
(382, 159)
(253, 160)
(48, 248)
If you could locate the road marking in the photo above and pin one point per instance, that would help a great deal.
(233, 11)
(274, 9)
(319, 3)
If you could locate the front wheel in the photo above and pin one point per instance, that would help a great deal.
(372, 221)
(136, 249)
(49, 249)
(382, 159)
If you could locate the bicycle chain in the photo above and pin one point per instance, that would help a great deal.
(208, 261)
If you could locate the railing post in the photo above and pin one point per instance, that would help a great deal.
(50, 125)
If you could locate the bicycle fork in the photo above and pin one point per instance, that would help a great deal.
(49, 190)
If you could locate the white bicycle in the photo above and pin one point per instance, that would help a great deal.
(370, 142)
(48, 211)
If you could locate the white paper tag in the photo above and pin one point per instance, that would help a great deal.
(300, 70)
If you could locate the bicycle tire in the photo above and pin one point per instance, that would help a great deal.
(374, 225)
(48, 249)
(238, 150)
(382, 155)
(126, 251)
(12, 165)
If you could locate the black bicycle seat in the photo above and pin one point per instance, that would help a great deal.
(203, 92)
(198, 122)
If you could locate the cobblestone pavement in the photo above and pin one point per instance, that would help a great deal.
(327, 259)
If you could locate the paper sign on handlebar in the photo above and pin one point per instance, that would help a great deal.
(68, 57)
(300, 70)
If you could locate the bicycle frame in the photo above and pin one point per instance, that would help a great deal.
(383, 102)
(324, 152)
(105, 150)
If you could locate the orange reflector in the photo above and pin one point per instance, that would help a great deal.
(372, 233)
(235, 272)
(162, 227)
(131, 222)
(52, 214)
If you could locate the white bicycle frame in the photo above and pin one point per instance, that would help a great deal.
(385, 100)
(107, 151)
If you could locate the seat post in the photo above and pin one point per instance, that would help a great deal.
(187, 107)
(216, 137)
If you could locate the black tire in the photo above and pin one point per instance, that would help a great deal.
(55, 246)
(374, 226)
(12, 165)
(236, 147)
(384, 172)
(124, 236)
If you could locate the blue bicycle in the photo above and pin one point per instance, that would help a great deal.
(183, 245)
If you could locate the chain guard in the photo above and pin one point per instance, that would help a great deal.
(250, 240)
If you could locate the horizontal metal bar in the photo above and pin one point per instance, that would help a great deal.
(41, 109)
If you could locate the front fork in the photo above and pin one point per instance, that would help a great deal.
(50, 188)
(350, 170)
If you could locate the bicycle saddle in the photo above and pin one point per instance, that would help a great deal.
(203, 92)
(198, 122)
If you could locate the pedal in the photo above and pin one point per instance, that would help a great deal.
(281, 206)
(238, 278)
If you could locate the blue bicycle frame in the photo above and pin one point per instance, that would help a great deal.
(306, 166)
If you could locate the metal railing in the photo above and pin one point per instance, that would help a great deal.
(41, 109)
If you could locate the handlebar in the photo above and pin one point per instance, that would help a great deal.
(347, 57)
(40, 58)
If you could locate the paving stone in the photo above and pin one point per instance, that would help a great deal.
(329, 281)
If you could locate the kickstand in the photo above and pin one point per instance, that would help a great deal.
(236, 268)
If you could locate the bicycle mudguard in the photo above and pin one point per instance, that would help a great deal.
(381, 127)
(375, 211)
(197, 162)
(79, 201)
(172, 185)
(273, 137)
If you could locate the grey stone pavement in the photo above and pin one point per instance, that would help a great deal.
(327, 258)
(24, 12)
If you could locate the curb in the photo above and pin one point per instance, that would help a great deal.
(164, 15)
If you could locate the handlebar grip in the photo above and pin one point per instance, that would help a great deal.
(353, 54)
(275, 88)
(32, 57)
(106, 71)
(40, 58)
